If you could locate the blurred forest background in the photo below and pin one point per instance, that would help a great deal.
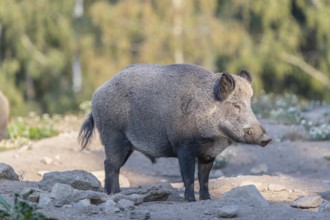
(54, 54)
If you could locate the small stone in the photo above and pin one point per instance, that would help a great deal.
(276, 187)
(110, 207)
(325, 207)
(142, 194)
(248, 195)
(42, 172)
(137, 199)
(61, 194)
(139, 214)
(123, 181)
(44, 200)
(46, 160)
(260, 169)
(90, 210)
(125, 204)
(306, 202)
(228, 211)
(83, 203)
(67, 206)
(95, 198)
(24, 148)
(31, 194)
(7, 172)
(207, 212)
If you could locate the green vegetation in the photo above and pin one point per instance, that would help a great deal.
(53, 57)
(20, 210)
(289, 109)
(285, 109)
(32, 127)
(22, 130)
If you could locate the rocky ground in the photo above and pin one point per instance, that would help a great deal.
(289, 179)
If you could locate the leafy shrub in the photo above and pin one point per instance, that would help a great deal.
(285, 109)
(317, 132)
(20, 210)
(33, 127)
(288, 109)
(14, 143)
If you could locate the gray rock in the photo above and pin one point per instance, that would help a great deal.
(61, 194)
(306, 202)
(7, 172)
(145, 193)
(95, 198)
(137, 199)
(82, 203)
(325, 207)
(46, 160)
(31, 194)
(125, 204)
(90, 210)
(228, 211)
(110, 207)
(139, 214)
(260, 169)
(44, 200)
(207, 212)
(78, 179)
(247, 195)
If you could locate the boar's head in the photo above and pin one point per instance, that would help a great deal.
(238, 121)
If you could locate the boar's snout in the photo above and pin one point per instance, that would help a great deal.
(256, 135)
(265, 140)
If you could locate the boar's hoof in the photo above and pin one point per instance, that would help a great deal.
(204, 197)
(190, 199)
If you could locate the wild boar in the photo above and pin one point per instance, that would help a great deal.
(4, 115)
(178, 110)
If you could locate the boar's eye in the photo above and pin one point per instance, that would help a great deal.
(237, 106)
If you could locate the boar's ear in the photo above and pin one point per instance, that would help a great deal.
(225, 85)
(246, 75)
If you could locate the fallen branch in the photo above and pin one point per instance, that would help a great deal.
(305, 67)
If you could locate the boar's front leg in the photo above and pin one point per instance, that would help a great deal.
(204, 168)
(187, 167)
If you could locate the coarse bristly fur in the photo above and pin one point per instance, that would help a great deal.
(178, 110)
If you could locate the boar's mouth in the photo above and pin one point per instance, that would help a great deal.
(248, 139)
(230, 134)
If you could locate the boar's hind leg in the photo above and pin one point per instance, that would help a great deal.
(187, 167)
(117, 151)
(204, 168)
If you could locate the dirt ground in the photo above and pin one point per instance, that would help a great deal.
(299, 167)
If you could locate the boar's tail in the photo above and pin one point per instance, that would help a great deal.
(86, 131)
